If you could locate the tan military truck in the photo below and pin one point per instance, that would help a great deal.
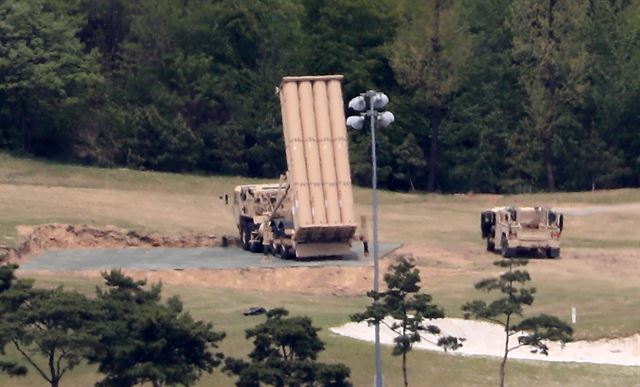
(260, 206)
(310, 211)
(522, 228)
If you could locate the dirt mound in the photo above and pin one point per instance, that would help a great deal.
(307, 280)
(69, 236)
(337, 281)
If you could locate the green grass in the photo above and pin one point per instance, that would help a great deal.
(605, 292)
(26, 171)
(224, 307)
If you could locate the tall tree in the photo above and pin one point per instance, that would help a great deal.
(552, 62)
(145, 341)
(611, 119)
(506, 310)
(488, 106)
(410, 161)
(8, 303)
(52, 324)
(107, 25)
(46, 78)
(285, 354)
(348, 37)
(408, 307)
(427, 56)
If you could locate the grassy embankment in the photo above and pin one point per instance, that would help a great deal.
(443, 227)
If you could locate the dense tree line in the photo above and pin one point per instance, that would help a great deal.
(490, 96)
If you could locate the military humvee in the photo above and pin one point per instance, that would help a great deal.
(522, 228)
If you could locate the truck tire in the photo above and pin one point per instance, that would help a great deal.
(288, 253)
(255, 247)
(504, 248)
(277, 249)
(245, 236)
(491, 246)
(552, 253)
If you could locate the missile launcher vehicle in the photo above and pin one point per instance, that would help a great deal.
(310, 211)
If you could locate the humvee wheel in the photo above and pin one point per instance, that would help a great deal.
(504, 248)
(491, 246)
(552, 253)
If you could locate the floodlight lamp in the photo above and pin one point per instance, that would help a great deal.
(356, 122)
(380, 100)
(358, 103)
(385, 119)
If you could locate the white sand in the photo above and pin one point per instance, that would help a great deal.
(487, 339)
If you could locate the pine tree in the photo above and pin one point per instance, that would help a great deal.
(509, 308)
(50, 324)
(142, 340)
(285, 353)
(409, 308)
(427, 58)
(552, 61)
(9, 285)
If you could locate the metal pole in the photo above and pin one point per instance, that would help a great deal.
(374, 208)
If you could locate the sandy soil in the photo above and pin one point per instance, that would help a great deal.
(487, 339)
(69, 236)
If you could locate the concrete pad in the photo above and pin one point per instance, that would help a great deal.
(184, 258)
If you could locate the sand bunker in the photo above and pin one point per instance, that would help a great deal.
(487, 339)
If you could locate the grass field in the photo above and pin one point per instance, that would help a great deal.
(598, 272)
(224, 307)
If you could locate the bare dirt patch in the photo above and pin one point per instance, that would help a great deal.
(340, 281)
(69, 236)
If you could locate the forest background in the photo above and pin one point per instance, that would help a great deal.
(489, 95)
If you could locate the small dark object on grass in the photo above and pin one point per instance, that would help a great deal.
(254, 311)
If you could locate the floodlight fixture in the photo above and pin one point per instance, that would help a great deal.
(358, 103)
(385, 119)
(380, 100)
(356, 122)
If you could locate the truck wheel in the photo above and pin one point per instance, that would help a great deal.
(255, 247)
(277, 249)
(287, 253)
(504, 248)
(490, 245)
(553, 253)
(245, 237)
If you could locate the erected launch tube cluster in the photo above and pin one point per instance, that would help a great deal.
(318, 159)
(318, 180)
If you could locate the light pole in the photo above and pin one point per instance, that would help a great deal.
(376, 100)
